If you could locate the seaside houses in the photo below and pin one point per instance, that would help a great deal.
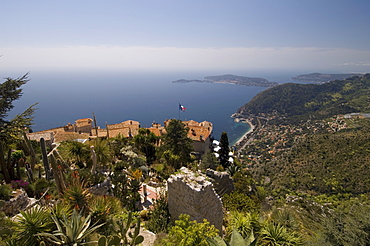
(83, 130)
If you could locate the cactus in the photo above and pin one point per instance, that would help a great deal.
(111, 241)
(28, 147)
(18, 166)
(129, 238)
(58, 176)
(29, 172)
(10, 165)
(93, 157)
(62, 177)
(3, 164)
(45, 158)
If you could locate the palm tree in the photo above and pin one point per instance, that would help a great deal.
(78, 151)
(103, 152)
(145, 141)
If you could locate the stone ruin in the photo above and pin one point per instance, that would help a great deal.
(193, 194)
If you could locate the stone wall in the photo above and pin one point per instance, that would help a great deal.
(191, 193)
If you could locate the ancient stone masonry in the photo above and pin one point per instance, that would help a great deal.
(191, 193)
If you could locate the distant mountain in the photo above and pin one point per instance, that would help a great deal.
(322, 78)
(299, 101)
(232, 79)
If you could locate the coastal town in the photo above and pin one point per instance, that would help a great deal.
(85, 129)
(264, 141)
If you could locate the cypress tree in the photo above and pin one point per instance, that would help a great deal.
(224, 151)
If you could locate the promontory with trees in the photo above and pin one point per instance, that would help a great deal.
(300, 178)
(231, 79)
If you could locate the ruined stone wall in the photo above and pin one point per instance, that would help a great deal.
(191, 193)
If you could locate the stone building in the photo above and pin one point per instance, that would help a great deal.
(200, 133)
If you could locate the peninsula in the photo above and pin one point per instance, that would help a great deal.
(321, 78)
(231, 79)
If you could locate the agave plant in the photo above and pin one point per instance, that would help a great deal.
(72, 231)
(31, 223)
(244, 223)
(76, 196)
(103, 209)
(276, 234)
(236, 240)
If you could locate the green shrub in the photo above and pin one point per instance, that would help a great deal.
(239, 202)
(5, 191)
(189, 233)
(159, 217)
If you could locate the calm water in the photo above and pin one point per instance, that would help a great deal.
(145, 97)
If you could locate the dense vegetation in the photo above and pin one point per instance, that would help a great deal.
(322, 78)
(313, 161)
(295, 102)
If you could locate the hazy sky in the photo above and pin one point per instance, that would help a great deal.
(317, 35)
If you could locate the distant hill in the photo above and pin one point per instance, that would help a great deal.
(232, 79)
(297, 101)
(322, 78)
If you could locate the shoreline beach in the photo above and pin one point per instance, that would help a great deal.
(243, 120)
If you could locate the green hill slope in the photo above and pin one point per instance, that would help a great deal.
(298, 101)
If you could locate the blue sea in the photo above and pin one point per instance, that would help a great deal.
(147, 97)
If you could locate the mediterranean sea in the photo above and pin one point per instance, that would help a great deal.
(147, 97)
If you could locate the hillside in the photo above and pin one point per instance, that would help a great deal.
(315, 151)
(299, 101)
(322, 78)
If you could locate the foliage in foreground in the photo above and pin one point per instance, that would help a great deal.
(189, 233)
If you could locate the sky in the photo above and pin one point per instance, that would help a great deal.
(188, 35)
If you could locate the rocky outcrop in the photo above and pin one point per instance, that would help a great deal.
(193, 194)
(221, 181)
(16, 204)
(102, 189)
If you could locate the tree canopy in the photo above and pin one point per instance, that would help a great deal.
(9, 92)
(176, 143)
(224, 150)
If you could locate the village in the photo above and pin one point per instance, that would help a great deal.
(85, 129)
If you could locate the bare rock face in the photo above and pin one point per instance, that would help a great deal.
(191, 193)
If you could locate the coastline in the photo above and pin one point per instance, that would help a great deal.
(237, 118)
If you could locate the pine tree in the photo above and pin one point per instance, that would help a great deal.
(176, 143)
(9, 92)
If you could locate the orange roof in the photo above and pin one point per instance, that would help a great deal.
(83, 122)
(190, 123)
(197, 131)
